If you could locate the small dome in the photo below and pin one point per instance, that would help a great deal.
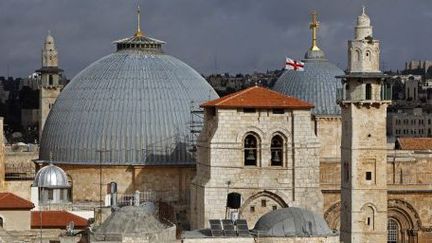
(51, 176)
(130, 220)
(49, 39)
(292, 222)
(363, 19)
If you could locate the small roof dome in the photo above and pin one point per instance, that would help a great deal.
(130, 220)
(49, 39)
(51, 176)
(292, 222)
(363, 19)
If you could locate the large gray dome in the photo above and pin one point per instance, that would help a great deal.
(316, 84)
(135, 104)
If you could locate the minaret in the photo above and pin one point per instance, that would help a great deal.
(363, 151)
(50, 86)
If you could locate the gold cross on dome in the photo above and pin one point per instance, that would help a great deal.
(314, 26)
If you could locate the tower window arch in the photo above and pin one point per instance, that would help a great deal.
(251, 149)
(1, 222)
(369, 213)
(368, 55)
(276, 148)
(368, 92)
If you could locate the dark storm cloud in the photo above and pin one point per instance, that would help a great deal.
(227, 36)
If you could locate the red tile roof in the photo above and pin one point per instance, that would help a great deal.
(408, 143)
(56, 220)
(10, 201)
(258, 97)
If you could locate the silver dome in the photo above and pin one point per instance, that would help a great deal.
(51, 176)
(134, 104)
(317, 84)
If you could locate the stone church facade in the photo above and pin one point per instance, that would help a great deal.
(260, 144)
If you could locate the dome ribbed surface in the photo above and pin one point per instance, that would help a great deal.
(133, 104)
(51, 176)
(316, 84)
(292, 222)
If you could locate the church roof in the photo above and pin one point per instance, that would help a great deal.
(56, 220)
(258, 97)
(412, 143)
(10, 201)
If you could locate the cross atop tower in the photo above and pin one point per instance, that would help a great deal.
(139, 33)
(314, 26)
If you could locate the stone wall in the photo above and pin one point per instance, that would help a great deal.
(171, 181)
(20, 171)
(2, 157)
(21, 188)
(221, 169)
(409, 197)
(329, 131)
(16, 220)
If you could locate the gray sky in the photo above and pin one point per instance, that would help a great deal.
(210, 35)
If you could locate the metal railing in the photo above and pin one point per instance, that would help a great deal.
(137, 198)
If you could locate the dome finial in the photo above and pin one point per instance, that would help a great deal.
(139, 33)
(363, 9)
(314, 26)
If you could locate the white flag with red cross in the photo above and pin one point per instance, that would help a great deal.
(291, 64)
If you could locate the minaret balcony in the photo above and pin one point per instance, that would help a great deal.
(385, 96)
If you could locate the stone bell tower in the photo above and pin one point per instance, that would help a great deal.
(50, 75)
(363, 102)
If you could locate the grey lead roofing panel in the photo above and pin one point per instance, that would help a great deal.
(291, 221)
(132, 103)
(317, 84)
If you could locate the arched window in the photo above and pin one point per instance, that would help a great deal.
(368, 56)
(368, 91)
(370, 218)
(1, 222)
(276, 151)
(358, 55)
(392, 231)
(250, 150)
